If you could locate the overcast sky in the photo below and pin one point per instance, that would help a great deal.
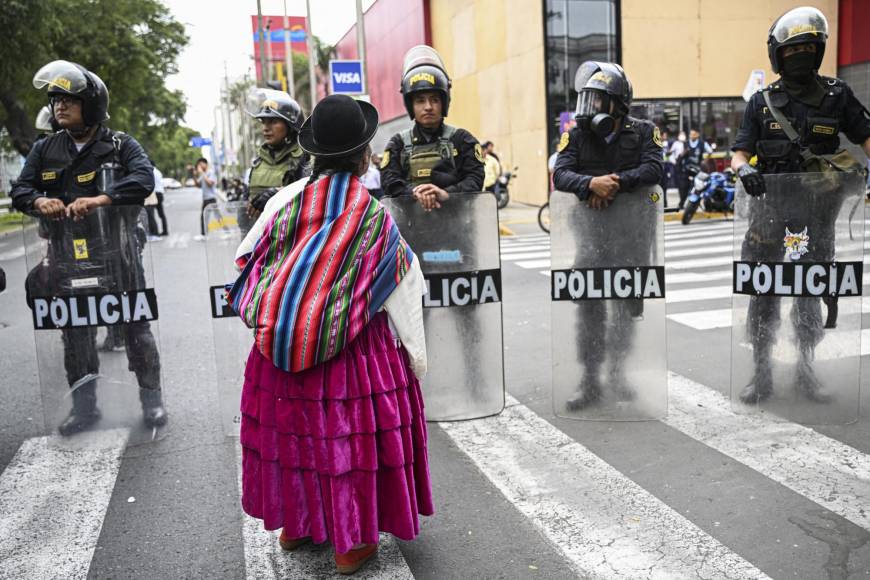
(220, 32)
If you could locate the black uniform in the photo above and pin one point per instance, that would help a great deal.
(634, 153)
(819, 126)
(56, 169)
(450, 158)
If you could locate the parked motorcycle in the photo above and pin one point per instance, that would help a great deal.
(711, 192)
(500, 189)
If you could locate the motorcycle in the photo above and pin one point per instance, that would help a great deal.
(712, 192)
(236, 190)
(500, 189)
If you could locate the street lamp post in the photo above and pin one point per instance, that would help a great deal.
(288, 55)
(309, 37)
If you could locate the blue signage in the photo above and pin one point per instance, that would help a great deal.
(346, 77)
(199, 141)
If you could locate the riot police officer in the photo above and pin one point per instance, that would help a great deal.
(67, 176)
(432, 159)
(607, 154)
(280, 160)
(818, 108)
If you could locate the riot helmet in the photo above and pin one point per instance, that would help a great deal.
(272, 104)
(798, 26)
(423, 70)
(68, 78)
(600, 85)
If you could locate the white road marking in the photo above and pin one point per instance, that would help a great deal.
(697, 251)
(697, 294)
(606, 525)
(699, 263)
(695, 278)
(704, 319)
(53, 499)
(533, 264)
(524, 256)
(830, 473)
(265, 560)
(723, 240)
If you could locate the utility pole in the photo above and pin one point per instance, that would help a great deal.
(261, 40)
(288, 55)
(309, 37)
(361, 43)
(268, 51)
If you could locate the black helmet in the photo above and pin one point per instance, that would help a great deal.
(597, 85)
(798, 26)
(68, 78)
(424, 70)
(272, 104)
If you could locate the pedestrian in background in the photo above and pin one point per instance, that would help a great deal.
(491, 167)
(372, 178)
(333, 434)
(154, 204)
(205, 179)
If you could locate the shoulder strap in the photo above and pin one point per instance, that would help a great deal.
(407, 146)
(445, 142)
(786, 126)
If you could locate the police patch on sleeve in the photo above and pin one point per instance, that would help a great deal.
(563, 141)
(657, 137)
(478, 152)
(385, 160)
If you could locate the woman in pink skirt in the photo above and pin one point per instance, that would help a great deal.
(333, 434)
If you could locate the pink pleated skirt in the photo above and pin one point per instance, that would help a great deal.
(337, 452)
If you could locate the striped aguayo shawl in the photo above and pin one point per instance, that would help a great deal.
(322, 268)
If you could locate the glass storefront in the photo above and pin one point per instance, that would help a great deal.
(575, 31)
(716, 119)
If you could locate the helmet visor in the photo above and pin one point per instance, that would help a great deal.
(422, 55)
(266, 104)
(800, 21)
(591, 102)
(62, 77)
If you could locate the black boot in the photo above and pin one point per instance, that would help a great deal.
(760, 388)
(808, 383)
(153, 412)
(84, 412)
(588, 393)
(620, 387)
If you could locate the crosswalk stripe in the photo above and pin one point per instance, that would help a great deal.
(830, 473)
(525, 256)
(699, 263)
(719, 240)
(53, 499)
(697, 251)
(265, 560)
(697, 294)
(678, 278)
(704, 319)
(533, 264)
(605, 524)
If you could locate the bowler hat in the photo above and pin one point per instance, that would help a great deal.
(338, 126)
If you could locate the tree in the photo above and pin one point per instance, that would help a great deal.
(133, 45)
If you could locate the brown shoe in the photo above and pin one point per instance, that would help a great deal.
(352, 561)
(288, 545)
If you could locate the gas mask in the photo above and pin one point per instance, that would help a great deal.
(593, 113)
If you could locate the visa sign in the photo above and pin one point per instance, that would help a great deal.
(346, 77)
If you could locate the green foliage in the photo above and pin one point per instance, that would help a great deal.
(133, 45)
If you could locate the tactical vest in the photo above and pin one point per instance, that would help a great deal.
(419, 160)
(818, 127)
(694, 155)
(270, 171)
(67, 176)
(596, 158)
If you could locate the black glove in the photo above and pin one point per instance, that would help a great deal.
(443, 175)
(258, 202)
(753, 181)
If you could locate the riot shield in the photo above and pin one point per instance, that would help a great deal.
(796, 308)
(608, 308)
(458, 249)
(94, 310)
(232, 339)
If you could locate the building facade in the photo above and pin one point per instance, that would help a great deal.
(513, 61)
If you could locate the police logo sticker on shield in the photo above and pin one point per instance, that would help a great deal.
(385, 160)
(657, 137)
(563, 141)
(80, 248)
(796, 244)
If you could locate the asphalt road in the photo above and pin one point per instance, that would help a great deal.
(705, 492)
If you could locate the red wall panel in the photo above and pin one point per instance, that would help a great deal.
(392, 27)
(854, 40)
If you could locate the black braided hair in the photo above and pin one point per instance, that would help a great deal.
(326, 165)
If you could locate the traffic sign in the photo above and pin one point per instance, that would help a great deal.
(346, 77)
(199, 141)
